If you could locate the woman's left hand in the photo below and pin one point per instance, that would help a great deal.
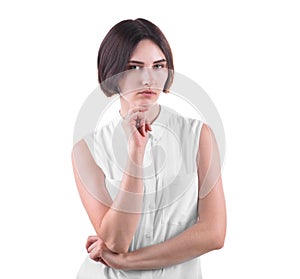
(100, 253)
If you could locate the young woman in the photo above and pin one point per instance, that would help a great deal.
(150, 179)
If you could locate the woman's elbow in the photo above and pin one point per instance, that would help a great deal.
(218, 239)
(117, 247)
(218, 243)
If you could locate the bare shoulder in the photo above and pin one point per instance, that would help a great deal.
(80, 146)
(83, 150)
(83, 160)
(206, 134)
(205, 140)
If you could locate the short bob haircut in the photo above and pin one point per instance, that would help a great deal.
(117, 47)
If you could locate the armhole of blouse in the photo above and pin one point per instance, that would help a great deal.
(197, 128)
(199, 132)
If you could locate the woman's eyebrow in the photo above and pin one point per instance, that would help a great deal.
(136, 62)
(159, 61)
(142, 63)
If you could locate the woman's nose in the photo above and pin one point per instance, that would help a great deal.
(147, 77)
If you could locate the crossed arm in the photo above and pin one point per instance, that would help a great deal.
(206, 235)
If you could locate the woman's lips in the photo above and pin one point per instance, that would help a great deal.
(147, 93)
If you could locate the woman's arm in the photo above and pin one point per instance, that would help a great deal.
(206, 235)
(199, 239)
(112, 220)
(115, 222)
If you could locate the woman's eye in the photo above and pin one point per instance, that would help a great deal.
(133, 67)
(158, 66)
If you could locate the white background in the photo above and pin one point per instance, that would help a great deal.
(244, 54)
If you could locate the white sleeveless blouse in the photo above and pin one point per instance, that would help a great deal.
(170, 187)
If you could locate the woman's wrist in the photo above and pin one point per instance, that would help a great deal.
(136, 154)
(135, 161)
(126, 261)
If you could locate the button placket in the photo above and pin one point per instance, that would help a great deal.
(150, 196)
(153, 182)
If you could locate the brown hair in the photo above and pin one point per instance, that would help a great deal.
(117, 47)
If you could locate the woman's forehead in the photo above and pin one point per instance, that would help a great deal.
(147, 51)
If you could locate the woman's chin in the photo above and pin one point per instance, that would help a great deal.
(145, 103)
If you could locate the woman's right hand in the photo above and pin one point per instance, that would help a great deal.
(136, 127)
(95, 247)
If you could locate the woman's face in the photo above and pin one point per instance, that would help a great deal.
(146, 75)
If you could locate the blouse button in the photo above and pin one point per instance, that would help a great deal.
(151, 206)
(148, 235)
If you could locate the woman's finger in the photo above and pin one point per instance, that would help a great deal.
(92, 246)
(94, 253)
(134, 110)
(91, 239)
(137, 121)
(141, 127)
(148, 125)
(135, 115)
